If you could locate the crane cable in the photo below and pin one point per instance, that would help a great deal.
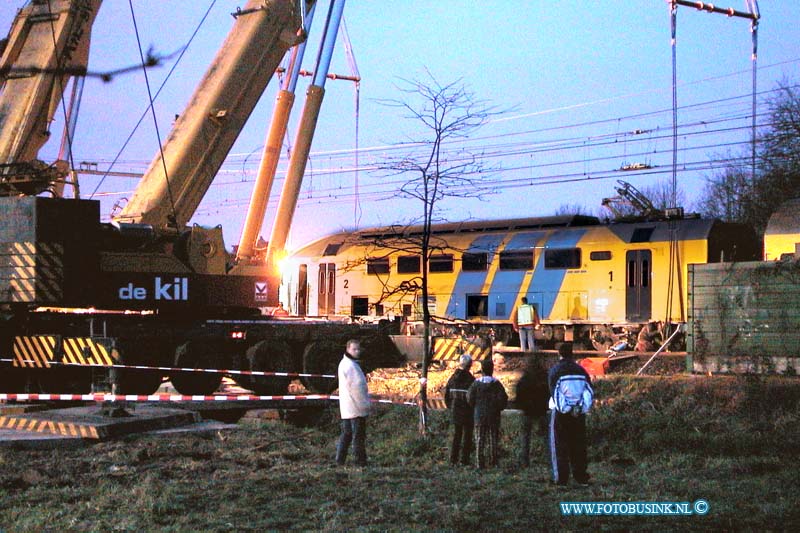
(158, 92)
(59, 79)
(351, 61)
(174, 215)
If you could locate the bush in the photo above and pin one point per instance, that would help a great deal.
(697, 414)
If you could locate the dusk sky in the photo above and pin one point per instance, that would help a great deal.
(589, 82)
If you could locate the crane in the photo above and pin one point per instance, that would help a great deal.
(47, 44)
(147, 288)
(180, 174)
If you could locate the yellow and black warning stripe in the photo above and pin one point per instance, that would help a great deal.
(34, 351)
(22, 423)
(450, 349)
(85, 350)
(39, 351)
(31, 272)
(43, 250)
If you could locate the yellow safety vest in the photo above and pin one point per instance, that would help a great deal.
(525, 315)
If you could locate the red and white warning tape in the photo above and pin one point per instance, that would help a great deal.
(103, 397)
(381, 400)
(201, 370)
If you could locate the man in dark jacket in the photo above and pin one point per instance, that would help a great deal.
(455, 397)
(567, 430)
(488, 397)
(531, 397)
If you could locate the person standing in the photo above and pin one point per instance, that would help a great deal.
(524, 320)
(571, 397)
(455, 398)
(488, 398)
(354, 405)
(532, 395)
(280, 310)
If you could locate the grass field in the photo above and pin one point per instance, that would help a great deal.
(731, 441)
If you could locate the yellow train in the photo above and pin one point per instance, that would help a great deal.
(590, 281)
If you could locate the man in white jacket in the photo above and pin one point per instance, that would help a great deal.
(354, 405)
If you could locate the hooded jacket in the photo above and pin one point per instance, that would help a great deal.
(488, 397)
(455, 396)
(353, 393)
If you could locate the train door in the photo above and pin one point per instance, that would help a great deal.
(638, 293)
(302, 291)
(327, 289)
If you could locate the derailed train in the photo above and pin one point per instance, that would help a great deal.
(592, 282)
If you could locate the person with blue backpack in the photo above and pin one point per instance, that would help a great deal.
(571, 397)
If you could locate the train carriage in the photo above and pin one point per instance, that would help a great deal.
(589, 280)
(782, 235)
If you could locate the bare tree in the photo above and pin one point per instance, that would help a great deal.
(435, 168)
(392, 241)
(725, 195)
(573, 209)
(660, 194)
(751, 197)
(778, 156)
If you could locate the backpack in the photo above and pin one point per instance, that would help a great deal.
(572, 395)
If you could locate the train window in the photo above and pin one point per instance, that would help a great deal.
(360, 306)
(600, 256)
(378, 265)
(332, 248)
(406, 309)
(642, 234)
(378, 309)
(408, 264)
(632, 273)
(477, 306)
(516, 260)
(562, 258)
(441, 263)
(645, 273)
(500, 309)
(474, 262)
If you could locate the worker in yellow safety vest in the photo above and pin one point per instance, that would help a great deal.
(525, 319)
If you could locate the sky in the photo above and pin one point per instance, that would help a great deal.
(586, 86)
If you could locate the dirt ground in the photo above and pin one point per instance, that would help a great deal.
(403, 383)
(729, 441)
